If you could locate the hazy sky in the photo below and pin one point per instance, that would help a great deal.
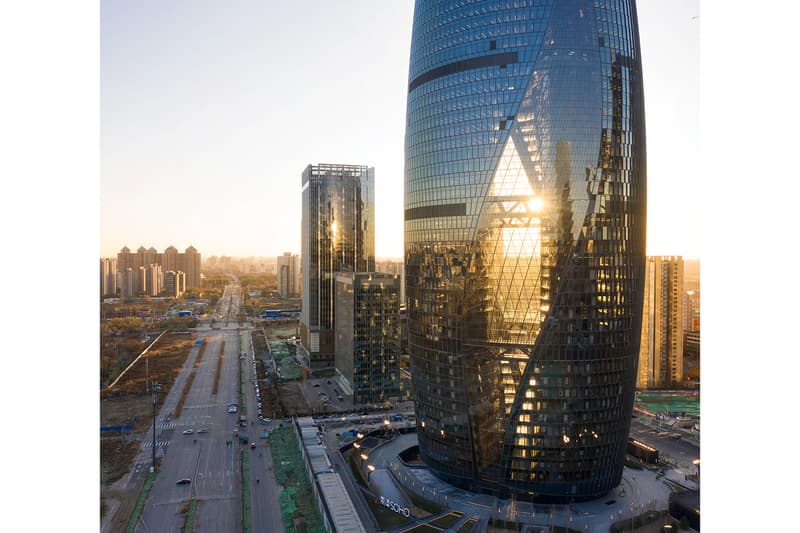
(211, 110)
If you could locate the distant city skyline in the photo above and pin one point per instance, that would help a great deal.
(204, 139)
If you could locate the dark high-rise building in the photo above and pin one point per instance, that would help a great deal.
(525, 198)
(338, 235)
(368, 335)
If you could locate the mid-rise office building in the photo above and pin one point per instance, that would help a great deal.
(288, 275)
(661, 351)
(337, 235)
(368, 335)
(394, 267)
(525, 209)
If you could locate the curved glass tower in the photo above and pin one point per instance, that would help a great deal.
(525, 195)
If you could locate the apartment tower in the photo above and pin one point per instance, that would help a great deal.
(661, 352)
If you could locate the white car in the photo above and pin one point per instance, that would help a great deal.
(188, 431)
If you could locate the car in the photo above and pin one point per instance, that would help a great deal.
(188, 431)
(204, 430)
(316, 384)
(252, 445)
(184, 481)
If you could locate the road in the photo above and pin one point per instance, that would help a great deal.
(206, 459)
(681, 451)
(264, 489)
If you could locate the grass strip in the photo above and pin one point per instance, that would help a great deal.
(185, 392)
(201, 352)
(288, 508)
(137, 511)
(289, 472)
(246, 505)
(242, 399)
(219, 369)
(189, 523)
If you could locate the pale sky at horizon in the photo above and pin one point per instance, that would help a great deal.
(209, 114)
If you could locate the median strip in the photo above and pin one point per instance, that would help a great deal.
(201, 352)
(137, 511)
(179, 408)
(219, 369)
(246, 506)
(190, 516)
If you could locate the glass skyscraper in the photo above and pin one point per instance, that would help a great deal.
(338, 235)
(525, 199)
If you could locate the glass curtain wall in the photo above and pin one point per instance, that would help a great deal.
(525, 195)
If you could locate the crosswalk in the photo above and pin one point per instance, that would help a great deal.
(159, 444)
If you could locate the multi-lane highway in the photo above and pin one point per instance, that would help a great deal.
(208, 456)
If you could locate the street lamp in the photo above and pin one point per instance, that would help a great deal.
(156, 388)
(371, 470)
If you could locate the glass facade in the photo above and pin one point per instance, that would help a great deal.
(368, 335)
(337, 235)
(525, 198)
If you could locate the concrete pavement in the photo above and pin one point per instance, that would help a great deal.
(639, 491)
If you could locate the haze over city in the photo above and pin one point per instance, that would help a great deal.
(77, 139)
(209, 115)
